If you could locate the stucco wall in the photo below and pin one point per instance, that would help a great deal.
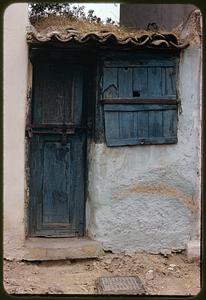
(148, 197)
(15, 89)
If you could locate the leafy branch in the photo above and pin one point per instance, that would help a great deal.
(43, 10)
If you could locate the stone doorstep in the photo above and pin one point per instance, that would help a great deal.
(61, 248)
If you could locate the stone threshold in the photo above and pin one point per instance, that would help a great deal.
(61, 248)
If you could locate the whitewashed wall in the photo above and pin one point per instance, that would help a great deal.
(15, 90)
(148, 197)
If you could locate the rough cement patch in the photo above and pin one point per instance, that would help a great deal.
(159, 189)
(147, 222)
(144, 207)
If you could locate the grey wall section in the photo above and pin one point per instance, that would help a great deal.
(147, 197)
(166, 16)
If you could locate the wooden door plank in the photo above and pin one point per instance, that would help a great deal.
(36, 175)
(78, 182)
(56, 183)
(78, 95)
(68, 93)
(53, 95)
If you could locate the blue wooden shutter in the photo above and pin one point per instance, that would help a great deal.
(140, 104)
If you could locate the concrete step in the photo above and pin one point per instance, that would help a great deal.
(61, 248)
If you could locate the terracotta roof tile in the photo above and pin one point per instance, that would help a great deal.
(105, 37)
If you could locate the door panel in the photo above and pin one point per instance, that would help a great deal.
(57, 152)
(58, 92)
(56, 182)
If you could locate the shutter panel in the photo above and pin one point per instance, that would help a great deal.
(136, 117)
(125, 82)
(140, 82)
(140, 124)
(110, 83)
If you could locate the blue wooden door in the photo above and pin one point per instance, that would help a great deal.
(57, 151)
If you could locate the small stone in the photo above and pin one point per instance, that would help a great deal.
(171, 269)
(150, 275)
(165, 252)
(129, 254)
(108, 261)
(172, 265)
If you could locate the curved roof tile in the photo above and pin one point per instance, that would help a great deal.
(150, 39)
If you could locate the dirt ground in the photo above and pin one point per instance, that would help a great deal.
(160, 275)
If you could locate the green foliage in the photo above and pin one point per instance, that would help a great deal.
(40, 10)
(45, 9)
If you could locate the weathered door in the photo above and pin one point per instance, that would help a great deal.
(57, 151)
